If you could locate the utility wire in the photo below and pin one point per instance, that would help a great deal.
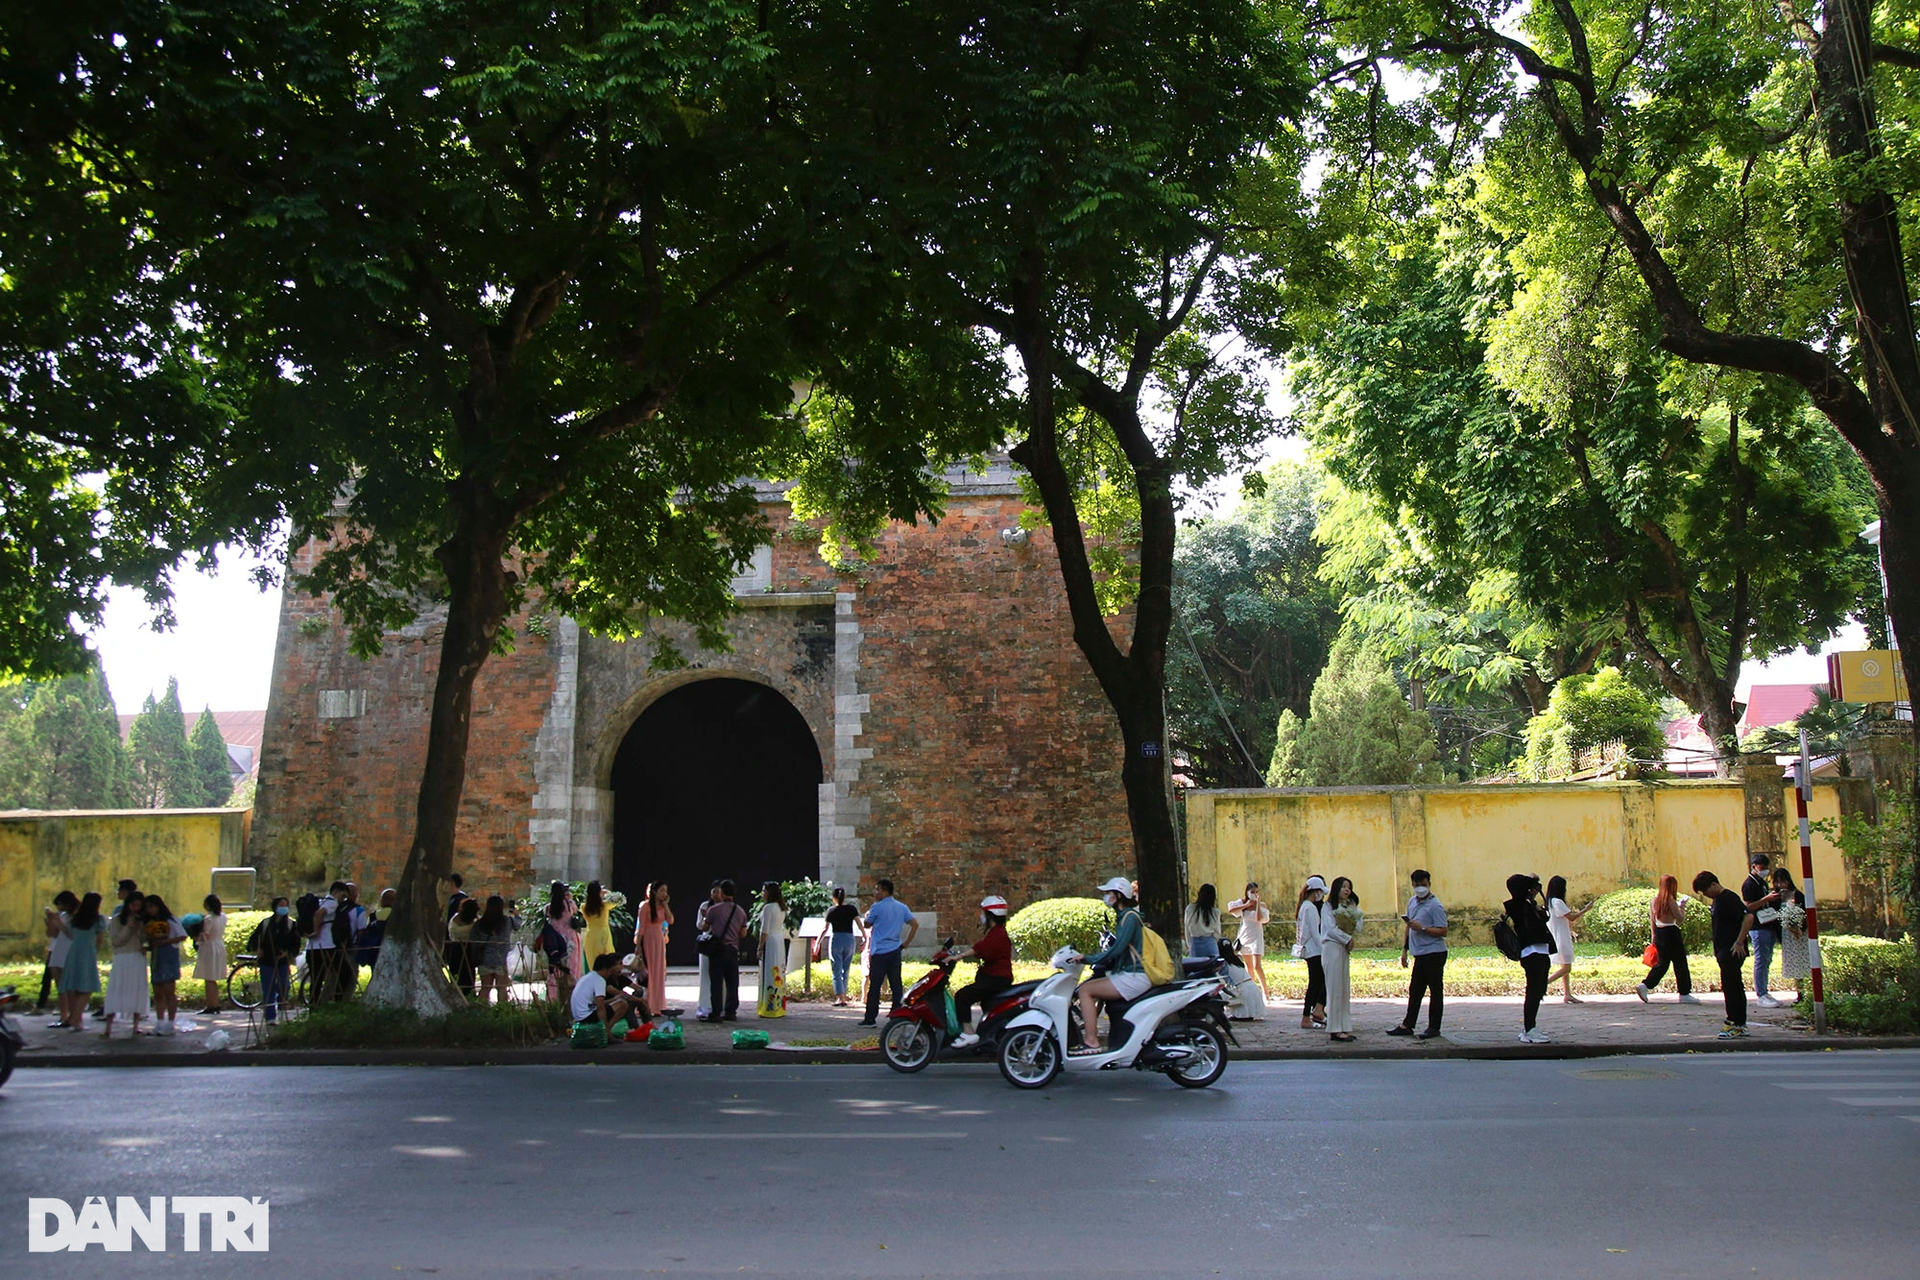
(1218, 705)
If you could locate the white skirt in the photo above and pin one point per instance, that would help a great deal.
(127, 992)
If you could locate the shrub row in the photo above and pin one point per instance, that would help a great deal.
(1042, 928)
(1620, 922)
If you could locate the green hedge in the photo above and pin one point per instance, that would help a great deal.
(1618, 922)
(1042, 928)
(1853, 965)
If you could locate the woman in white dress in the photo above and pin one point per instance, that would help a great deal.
(127, 980)
(1344, 923)
(1560, 918)
(773, 951)
(210, 952)
(1253, 915)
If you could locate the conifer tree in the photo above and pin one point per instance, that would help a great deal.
(210, 765)
(162, 768)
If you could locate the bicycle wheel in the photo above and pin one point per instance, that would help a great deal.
(243, 984)
(299, 995)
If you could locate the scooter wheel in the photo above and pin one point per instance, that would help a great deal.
(907, 1045)
(1210, 1056)
(1029, 1058)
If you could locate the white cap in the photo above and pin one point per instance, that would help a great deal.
(1119, 884)
(1315, 882)
(994, 903)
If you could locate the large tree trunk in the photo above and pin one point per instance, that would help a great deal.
(411, 973)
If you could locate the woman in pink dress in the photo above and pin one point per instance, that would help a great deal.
(655, 915)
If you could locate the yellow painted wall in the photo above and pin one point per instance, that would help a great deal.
(1600, 836)
(168, 851)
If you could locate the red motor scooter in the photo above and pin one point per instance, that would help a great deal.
(925, 1024)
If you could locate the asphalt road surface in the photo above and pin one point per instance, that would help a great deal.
(1715, 1165)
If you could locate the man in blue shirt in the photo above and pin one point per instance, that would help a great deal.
(1425, 937)
(884, 920)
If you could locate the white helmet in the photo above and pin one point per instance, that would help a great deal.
(1120, 885)
(994, 905)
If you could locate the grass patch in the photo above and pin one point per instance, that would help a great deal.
(360, 1026)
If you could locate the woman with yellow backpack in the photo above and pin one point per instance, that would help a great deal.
(1126, 963)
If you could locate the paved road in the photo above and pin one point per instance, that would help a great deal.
(1779, 1164)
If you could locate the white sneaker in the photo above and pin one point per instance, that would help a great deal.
(1641, 991)
(1537, 1036)
(965, 1040)
(1689, 999)
(1766, 1002)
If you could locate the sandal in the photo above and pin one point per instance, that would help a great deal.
(1342, 1037)
(1082, 1051)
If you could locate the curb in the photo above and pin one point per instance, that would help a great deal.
(542, 1057)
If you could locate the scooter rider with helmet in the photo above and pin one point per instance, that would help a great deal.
(994, 951)
(1125, 978)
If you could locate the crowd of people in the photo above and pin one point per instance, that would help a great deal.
(1766, 916)
(601, 980)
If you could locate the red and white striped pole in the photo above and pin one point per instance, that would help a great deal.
(1803, 796)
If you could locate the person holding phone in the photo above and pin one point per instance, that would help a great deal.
(1560, 918)
(1253, 915)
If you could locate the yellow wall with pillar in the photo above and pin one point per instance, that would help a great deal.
(1600, 836)
(168, 851)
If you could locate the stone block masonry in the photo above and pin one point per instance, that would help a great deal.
(964, 745)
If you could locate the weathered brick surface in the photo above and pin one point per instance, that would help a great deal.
(965, 745)
(996, 762)
(337, 796)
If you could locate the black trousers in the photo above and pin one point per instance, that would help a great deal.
(979, 991)
(1673, 953)
(46, 985)
(1536, 967)
(885, 966)
(323, 974)
(1429, 977)
(723, 983)
(1733, 988)
(1316, 987)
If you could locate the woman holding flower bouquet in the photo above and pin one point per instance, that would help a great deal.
(596, 939)
(1793, 931)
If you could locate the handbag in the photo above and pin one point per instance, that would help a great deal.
(1651, 956)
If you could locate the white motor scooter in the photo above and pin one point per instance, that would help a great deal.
(1179, 1029)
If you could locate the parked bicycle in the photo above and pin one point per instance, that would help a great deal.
(245, 990)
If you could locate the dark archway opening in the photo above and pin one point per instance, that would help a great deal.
(718, 779)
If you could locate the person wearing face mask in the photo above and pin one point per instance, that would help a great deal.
(1125, 977)
(1425, 937)
(994, 951)
(1310, 938)
(277, 943)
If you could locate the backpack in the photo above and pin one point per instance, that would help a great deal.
(343, 926)
(305, 907)
(1155, 960)
(552, 944)
(1506, 939)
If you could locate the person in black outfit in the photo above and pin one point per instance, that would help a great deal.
(1731, 923)
(1529, 920)
(1758, 893)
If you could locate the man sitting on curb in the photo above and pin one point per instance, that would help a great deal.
(592, 1003)
(1731, 923)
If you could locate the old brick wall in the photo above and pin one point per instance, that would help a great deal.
(996, 762)
(346, 739)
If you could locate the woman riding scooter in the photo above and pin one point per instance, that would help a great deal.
(1125, 979)
(994, 951)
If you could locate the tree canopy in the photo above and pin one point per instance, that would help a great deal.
(60, 745)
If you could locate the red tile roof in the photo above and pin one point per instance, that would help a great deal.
(1771, 704)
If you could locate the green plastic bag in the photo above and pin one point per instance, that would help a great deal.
(750, 1039)
(667, 1035)
(589, 1035)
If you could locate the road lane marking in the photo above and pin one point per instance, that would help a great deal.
(1880, 1102)
(1846, 1084)
(797, 1137)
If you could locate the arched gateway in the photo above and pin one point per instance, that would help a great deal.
(719, 778)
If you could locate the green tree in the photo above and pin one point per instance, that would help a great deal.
(1093, 183)
(501, 303)
(210, 764)
(1590, 711)
(1360, 730)
(60, 745)
(161, 770)
(1694, 522)
(1254, 621)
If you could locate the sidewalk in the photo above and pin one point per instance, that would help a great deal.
(1474, 1027)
